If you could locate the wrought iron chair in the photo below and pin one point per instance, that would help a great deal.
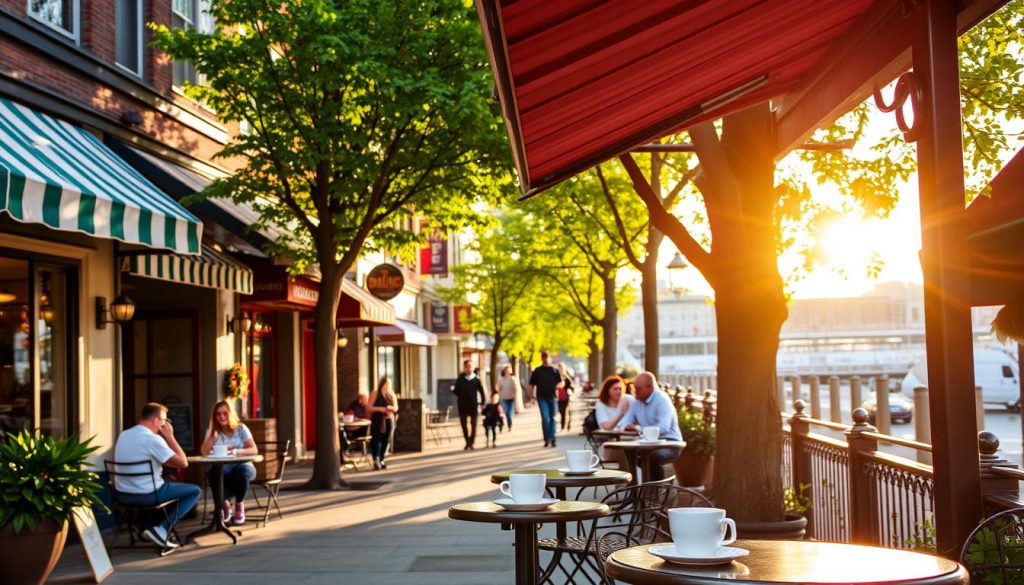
(275, 456)
(437, 424)
(127, 515)
(994, 552)
(640, 511)
(609, 542)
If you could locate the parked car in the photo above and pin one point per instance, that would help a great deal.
(901, 408)
(994, 370)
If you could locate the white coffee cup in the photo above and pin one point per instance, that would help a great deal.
(650, 434)
(219, 451)
(524, 488)
(700, 532)
(581, 460)
(349, 418)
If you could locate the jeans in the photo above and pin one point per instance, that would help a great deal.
(379, 441)
(564, 414)
(548, 407)
(468, 422)
(508, 406)
(236, 480)
(187, 494)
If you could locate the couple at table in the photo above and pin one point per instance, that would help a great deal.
(651, 407)
(152, 440)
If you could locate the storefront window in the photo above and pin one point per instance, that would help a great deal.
(387, 365)
(35, 360)
(261, 368)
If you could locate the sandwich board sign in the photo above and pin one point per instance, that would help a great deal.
(92, 544)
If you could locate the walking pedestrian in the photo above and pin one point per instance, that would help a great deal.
(468, 388)
(383, 405)
(544, 384)
(510, 391)
(564, 396)
(492, 419)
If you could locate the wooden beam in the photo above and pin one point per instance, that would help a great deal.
(687, 147)
(874, 51)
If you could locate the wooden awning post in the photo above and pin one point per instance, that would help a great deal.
(937, 128)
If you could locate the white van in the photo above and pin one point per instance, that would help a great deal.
(994, 370)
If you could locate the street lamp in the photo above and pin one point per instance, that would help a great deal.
(678, 264)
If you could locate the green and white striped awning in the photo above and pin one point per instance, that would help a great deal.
(211, 270)
(56, 174)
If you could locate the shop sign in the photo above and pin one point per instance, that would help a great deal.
(277, 286)
(439, 322)
(434, 257)
(463, 314)
(385, 282)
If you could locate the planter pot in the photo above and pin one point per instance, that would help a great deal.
(693, 470)
(29, 557)
(792, 528)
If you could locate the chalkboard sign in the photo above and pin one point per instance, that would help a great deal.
(445, 396)
(92, 544)
(180, 416)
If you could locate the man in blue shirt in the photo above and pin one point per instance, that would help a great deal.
(653, 408)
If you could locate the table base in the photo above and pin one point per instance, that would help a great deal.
(217, 524)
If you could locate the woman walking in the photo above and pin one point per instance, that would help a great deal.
(383, 405)
(564, 396)
(510, 391)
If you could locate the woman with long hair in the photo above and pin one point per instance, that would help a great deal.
(382, 407)
(510, 391)
(612, 403)
(564, 396)
(225, 429)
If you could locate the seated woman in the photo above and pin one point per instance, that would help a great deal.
(225, 429)
(612, 404)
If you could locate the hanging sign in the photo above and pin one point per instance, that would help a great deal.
(439, 322)
(385, 281)
(434, 257)
(462, 316)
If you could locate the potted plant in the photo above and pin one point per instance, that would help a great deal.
(43, 480)
(695, 466)
(794, 525)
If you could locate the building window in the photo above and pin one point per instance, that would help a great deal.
(129, 41)
(189, 14)
(260, 358)
(388, 365)
(61, 15)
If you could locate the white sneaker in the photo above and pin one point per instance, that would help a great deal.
(239, 517)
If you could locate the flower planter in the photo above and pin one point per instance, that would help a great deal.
(792, 528)
(693, 470)
(29, 557)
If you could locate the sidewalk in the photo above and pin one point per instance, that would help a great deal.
(399, 533)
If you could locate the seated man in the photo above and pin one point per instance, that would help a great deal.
(653, 408)
(357, 408)
(153, 440)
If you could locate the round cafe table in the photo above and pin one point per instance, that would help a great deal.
(525, 525)
(791, 561)
(348, 427)
(561, 482)
(615, 434)
(640, 450)
(217, 465)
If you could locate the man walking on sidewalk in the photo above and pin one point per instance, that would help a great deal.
(467, 388)
(544, 384)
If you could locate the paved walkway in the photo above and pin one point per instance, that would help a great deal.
(399, 533)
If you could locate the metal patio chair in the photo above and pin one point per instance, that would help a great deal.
(127, 515)
(275, 456)
(994, 552)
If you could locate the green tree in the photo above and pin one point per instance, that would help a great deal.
(360, 114)
(749, 212)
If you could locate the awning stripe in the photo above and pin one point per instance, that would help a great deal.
(62, 176)
(211, 270)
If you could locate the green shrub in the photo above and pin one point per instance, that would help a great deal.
(44, 478)
(697, 431)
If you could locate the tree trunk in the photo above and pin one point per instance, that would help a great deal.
(609, 327)
(594, 359)
(494, 362)
(649, 299)
(327, 462)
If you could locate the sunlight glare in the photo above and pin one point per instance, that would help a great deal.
(848, 245)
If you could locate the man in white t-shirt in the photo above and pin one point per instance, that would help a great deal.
(153, 440)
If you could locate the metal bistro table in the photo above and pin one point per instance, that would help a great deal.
(526, 524)
(354, 425)
(641, 450)
(792, 561)
(561, 482)
(217, 464)
(615, 434)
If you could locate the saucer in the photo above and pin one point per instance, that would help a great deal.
(510, 504)
(654, 442)
(724, 554)
(567, 471)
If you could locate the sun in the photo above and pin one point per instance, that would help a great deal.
(848, 245)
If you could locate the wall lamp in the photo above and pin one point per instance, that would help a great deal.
(342, 340)
(121, 311)
(240, 323)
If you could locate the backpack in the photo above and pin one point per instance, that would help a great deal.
(590, 422)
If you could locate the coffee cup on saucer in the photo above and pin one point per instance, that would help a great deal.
(349, 418)
(524, 488)
(700, 532)
(650, 434)
(581, 460)
(219, 451)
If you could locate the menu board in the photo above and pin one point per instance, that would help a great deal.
(180, 416)
(92, 543)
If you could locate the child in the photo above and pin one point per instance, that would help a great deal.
(492, 419)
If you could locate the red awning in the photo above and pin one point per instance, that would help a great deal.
(581, 81)
(404, 333)
(996, 225)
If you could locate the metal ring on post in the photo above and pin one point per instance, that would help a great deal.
(906, 88)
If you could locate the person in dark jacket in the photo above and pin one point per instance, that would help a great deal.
(469, 391)
(545, 381)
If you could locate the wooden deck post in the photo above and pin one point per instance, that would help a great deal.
(802, 470)
(864, 527)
